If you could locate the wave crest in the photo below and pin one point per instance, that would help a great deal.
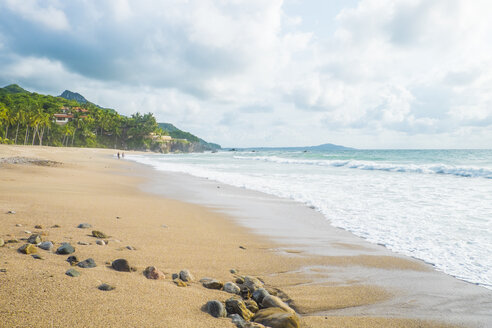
(461, 171)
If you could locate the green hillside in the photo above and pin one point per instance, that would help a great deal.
(28, 118)
(12, 89)
(176, 133)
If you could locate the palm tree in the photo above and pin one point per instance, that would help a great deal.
(44, 122)
(6, 115)
(20, 118)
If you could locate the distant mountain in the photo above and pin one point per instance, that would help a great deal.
(67, 94)
(323, 147)
(176, 133)
(328, 146)
(12, 88)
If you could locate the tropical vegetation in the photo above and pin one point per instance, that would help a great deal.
(29, 119)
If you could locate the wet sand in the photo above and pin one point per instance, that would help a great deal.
(341, 288)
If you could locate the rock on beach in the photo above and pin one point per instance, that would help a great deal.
(231, 287)
(237, 305)
(186, 276)
(274, 301)
(72, 273)
(121, 265)
(152, 272)
(99, 234)
(216, 309)
(277, 318)
(252, 283)
(213, 284)
(260, 294)
(237, 320)
(87, 263)
(28, 249)
(106, 287)
(34, 239)
(73, 260)
(46, 245)
(65, 248)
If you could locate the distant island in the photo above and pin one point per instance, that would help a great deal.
(323, 147)
(28, 118)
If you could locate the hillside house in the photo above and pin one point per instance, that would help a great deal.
(67, 115)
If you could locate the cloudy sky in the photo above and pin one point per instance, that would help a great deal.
(365, 74)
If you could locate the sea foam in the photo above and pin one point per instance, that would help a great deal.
(440, 213)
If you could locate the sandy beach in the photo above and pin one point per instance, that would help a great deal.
(70, 186)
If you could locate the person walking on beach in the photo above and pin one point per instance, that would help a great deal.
(118, 155)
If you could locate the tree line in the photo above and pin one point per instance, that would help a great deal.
(28, 119)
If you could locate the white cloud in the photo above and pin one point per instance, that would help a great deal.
(246, 73)
(44, 13)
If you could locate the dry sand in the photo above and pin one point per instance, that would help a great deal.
(92, 186)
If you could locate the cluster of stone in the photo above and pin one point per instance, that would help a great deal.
(35, 242)
(252, 306)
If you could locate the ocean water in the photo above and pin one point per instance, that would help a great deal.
(434, 205)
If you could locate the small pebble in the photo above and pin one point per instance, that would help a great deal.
(65, 248)
(233, 271)
(72, 273)
(121, 265)
(46, 245)
(237, 320)
(56, 226)
(186, 275)
(18, 225)
(88, 263)
(73, 260)
(10, 212)
(105, 287)
(216, 309)
(260, 294)
(231, 288)
(37, 257)
(164, 226)
(34, 239)
(242, 247)
(131, 248)
(99, 234)
(84, 226)
(27, 231)
(152, 272)
(83, 243)
(213, 284)
(38, 226)
(3, 270)
(100, 242)
(28, 249)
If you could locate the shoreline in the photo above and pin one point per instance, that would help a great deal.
(264, 213)
(319, 227)
(91, 185)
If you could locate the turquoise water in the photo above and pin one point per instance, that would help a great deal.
(435, 205)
